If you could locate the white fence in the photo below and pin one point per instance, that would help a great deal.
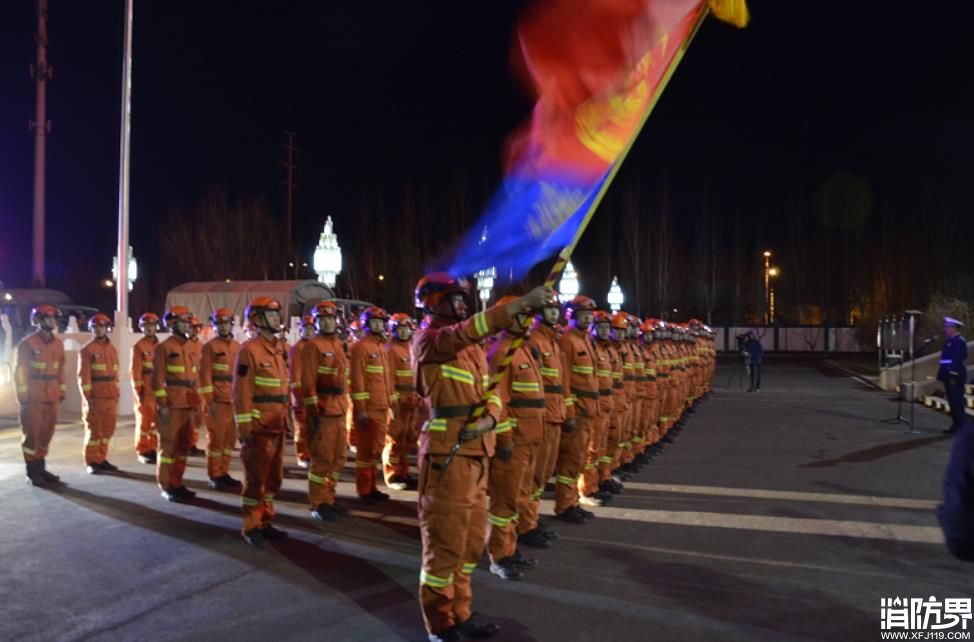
(794, 339)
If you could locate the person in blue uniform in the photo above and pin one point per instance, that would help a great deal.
(956, 514)
(953, 372)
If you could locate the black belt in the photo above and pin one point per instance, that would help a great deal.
(585, 394)
(618, 386)
(605, 392)
(270, 399)
(642, 378)
(227, 378)
(554, 390)
(43, 377)
(526, 403)
(103, 379)
(650, 378)
(662, 376)
(405, 387)
(330, 390)
(629, 377)
(451, 412)
(146, 371)
(181, 383)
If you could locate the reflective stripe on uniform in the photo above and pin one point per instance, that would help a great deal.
(436, 425)
(247, 501)
(159, 393)
(206, 390)
(404, 373)
(243, 418)
(38, 365)
(310, 401)
(502, 427)
(315, 479)
(175, 368)
(457, 374)
(429, 579)
(565, 479)
(468, 567)
(99, 366)
(583, 369)
(375, 369)
(496, 520)
(222, 367)
(327, 370)
(360, 396)
(525, 386)
(550, 372)
(167, 460)
(268, 382)
(480, 324)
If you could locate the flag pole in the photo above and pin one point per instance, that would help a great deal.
(566, 252)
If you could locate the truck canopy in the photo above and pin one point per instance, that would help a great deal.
(202, 297)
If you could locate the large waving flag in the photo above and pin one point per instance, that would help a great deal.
(597, 67)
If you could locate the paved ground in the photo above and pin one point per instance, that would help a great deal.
(784, 514)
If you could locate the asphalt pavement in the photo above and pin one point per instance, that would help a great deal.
(785, 514)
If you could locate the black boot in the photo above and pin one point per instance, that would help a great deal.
(476, 629)
(34, 477)
(49, 477)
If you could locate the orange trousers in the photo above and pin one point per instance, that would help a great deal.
(571, 457)
(263, 462)
(146, 438)
(37, 421)
(588, 483)
(544, 468)
(175, 440)
(630, 430)
(509, 487)
(99, 416)
(302, 448)
(371, 438)
(327, 449)
(610, 454)
(221, 435)
(402, 436)
(452, 525)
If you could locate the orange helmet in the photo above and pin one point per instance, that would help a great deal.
(555, 301)
(42, 312)
(307, 320)
(601, 316)
(355, 325)
(620, 321)
(372, 312)
(177, 312)
(431, 289)
(99, 318)
(257, 308)
(149, 318)
(580, 302)
(325, 309)
(196, 323)
(221, 314)
(400, 318)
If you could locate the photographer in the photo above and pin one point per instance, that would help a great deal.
(755, 353)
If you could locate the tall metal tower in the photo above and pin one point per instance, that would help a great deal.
(41, 126)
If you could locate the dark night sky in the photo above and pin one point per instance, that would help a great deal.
(384, 91)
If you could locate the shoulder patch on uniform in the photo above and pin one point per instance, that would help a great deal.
(242, 370)
(373, 355)
(404, 359)
(547, 354)
(264, 365)
(523, 366)
(328, 354)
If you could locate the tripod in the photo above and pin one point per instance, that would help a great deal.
(742, 374)
(899, 418)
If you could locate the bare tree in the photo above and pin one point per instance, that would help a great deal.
(662, 239)
(632, 238)
(706, 257)
(222, 239)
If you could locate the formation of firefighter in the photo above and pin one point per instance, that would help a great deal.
(496, 404)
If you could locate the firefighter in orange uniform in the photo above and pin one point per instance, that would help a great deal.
(196, 346)
(174, 386)
(622, 366)
(261, 406)
(645, 396)
(323, 365)
(404, 429)
(449, 368)
(39, 378)
(631, 445)
(98, 378)
(301, 450)
(216, 383)
(543, 341)
(606, 361)
(520, 432)
(582, 409)
(146, 437)
(373, 394)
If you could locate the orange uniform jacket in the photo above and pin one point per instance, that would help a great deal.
(450, 369)
(260, 386)
(401, 363)
(373, 384)
(544, 341)
(323, 366)
(216, 369)
(578, 362)
(174, 375)
(604, 363)
(521, 391)
(39, 374)
(142, 365)
(649, 370)
(98, 370)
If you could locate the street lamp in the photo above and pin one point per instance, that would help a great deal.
(615, 296)
(569, 286)
(767, 281)
(485, 278)
(131, 274)
(772, 273)
(327, 260)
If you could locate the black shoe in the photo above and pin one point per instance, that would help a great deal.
(255, 537)
(231, 482)
(951, 430)
(626, 468)
(374, 497)
(411, 483)
(549, 535)
(341, 511)
(477, 630)
(506, 570)
(587, 514)
(534, 538)
(604, 496)
(269, 532)
(184, 493)
(218, 483)
(608, 487)
(522, 562)
(324, 513)
(108, 467)
(449, 635)
(196, 452)
(571, 516)
(34, 477)
(48, 477)
(170, 495)
(93, 469)
(148, 458)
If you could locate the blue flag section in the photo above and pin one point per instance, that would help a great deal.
(528, 221)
